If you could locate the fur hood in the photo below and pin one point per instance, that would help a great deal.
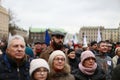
(61, 75)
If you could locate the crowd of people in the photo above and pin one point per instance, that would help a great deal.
(58, 61)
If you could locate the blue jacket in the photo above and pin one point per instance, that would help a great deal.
(10, 71)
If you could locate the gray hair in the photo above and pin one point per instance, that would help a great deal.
(15, 37)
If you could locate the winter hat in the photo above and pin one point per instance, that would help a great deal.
(70, 50)
(86, 54)
(56, 53)
(29, 51)
(37, 63)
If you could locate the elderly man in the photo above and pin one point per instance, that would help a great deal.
(14, 64)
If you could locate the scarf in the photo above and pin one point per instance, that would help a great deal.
(88, 71)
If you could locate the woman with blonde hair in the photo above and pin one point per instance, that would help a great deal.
(60, 69)
(116, 58)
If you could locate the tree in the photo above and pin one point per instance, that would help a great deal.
(12, 22)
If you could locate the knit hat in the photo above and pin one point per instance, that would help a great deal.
(69, 51)
(86, 54)
(54, 54)
(37, 63)
(29, 51)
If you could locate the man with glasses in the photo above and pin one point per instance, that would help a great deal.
(56, 43)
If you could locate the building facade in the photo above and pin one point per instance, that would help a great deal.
(4, 22)
(38, 34)
(91, 32)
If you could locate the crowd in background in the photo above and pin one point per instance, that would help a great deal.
(58, 61)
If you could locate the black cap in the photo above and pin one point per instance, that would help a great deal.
(70, 50)
(55, 33)
(39, 42)
(118, 43)
(93, 42)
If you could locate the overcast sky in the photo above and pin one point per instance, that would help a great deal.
(67, 14)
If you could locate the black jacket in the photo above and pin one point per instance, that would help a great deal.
(73, 64)
(98, 75)
(10, 71)
(116, 73)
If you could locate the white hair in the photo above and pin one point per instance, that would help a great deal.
(15, 37)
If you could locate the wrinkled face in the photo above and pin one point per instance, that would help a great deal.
(40, 74)
(118, 52)
(16, 50)
(89, 62)
(72, 55)
(59, 63)
(103, 48)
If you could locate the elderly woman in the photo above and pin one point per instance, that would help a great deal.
(39, 69)
(60, 70)
(88, 68)
(116, 58)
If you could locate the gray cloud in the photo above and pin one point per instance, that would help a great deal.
(66, 13)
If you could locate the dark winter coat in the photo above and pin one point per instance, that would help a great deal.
(73, 64)
(10, 71)
(98, 75)
(45, 55)
(116, 73)
(61, 76)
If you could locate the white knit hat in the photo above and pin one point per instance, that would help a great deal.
(37, 63)
(86, 54)
(56, 53)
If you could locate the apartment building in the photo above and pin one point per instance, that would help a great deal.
(4, 21)
(91, 32)
(36, 34)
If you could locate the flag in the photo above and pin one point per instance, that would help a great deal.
(47, 37)
(99, 36)
(9, 36)
(85, 41)
(75, 39)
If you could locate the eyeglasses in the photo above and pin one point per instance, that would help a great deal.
(59, 59)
